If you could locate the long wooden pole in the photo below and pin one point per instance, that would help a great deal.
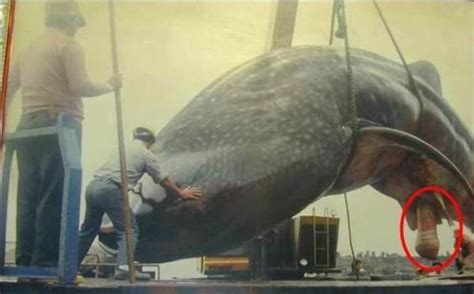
(123, 162)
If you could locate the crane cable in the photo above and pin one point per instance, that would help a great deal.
(339, 14)
(411, 80)
(355, 262)
(414, 87)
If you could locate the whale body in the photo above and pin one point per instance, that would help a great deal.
(274, 134)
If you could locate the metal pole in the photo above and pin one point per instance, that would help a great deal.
(123, 163)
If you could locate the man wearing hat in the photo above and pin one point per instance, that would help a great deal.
(103, 195)
(52, 75)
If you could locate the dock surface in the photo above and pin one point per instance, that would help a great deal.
(222, 286)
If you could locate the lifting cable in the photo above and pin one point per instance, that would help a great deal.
(355, 262)
(411, 80)
(339, 14)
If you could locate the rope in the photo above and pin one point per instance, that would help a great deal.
(354, 261)
(339, 11)
(411, 79)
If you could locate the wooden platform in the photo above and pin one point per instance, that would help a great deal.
(217, 286)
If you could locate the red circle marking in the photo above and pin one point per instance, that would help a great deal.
(459, 216)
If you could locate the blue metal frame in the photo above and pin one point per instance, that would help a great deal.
(68, 240)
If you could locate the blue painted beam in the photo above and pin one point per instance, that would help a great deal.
(68, 240)
(17, 136)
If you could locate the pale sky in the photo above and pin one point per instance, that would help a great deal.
(169, 51)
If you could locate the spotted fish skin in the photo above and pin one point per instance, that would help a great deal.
(264, 141)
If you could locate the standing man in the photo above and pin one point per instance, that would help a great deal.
(53, 78)
(103, 195)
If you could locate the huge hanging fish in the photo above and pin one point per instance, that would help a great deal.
(273, 135)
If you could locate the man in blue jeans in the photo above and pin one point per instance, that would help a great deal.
(103, 195)
(52, 75)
